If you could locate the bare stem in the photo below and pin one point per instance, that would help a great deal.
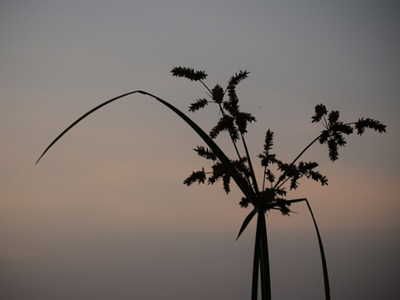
(298, 156)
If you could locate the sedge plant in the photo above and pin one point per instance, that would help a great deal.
(271, 193)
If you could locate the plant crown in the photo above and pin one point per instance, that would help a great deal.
(235, 123)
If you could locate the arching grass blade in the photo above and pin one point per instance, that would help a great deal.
(321, 249)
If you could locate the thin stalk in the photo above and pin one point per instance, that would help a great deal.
(247, 191)
(304, 150)
(283, 182)
(256, 261)
(233, 141)
(261, 258)
(253, 177)
(264, 262)
(205, 86)
(326, 123)
(265, 172)
(298, 156)
(223, 113)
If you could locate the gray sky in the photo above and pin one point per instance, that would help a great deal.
(105, 214)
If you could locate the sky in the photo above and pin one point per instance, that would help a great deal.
(105, 215)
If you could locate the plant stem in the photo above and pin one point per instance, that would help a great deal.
(298, 156)
(261, 258)
(302, 152)
(265, 172)
(256, 261)
(264, 261)
(253, 177)
(202, 82)
(233, 141)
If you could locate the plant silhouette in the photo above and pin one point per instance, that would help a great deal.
(272, 195)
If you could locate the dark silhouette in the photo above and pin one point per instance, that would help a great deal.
(240, 169)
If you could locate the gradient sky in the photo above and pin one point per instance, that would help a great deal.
(105, 215)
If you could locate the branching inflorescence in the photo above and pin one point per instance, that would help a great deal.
(235, 122)
(272, 195)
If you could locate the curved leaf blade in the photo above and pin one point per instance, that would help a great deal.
(247, 221)
(80, 119)
(321, 249)
(247, 191)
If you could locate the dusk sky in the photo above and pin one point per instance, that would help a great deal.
(105, 215)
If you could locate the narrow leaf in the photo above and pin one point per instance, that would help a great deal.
(247, 191)
(247, 221)
(321, 249)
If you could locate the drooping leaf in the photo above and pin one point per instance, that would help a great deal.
(321, 249)
(247, 221)
(240, 181)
